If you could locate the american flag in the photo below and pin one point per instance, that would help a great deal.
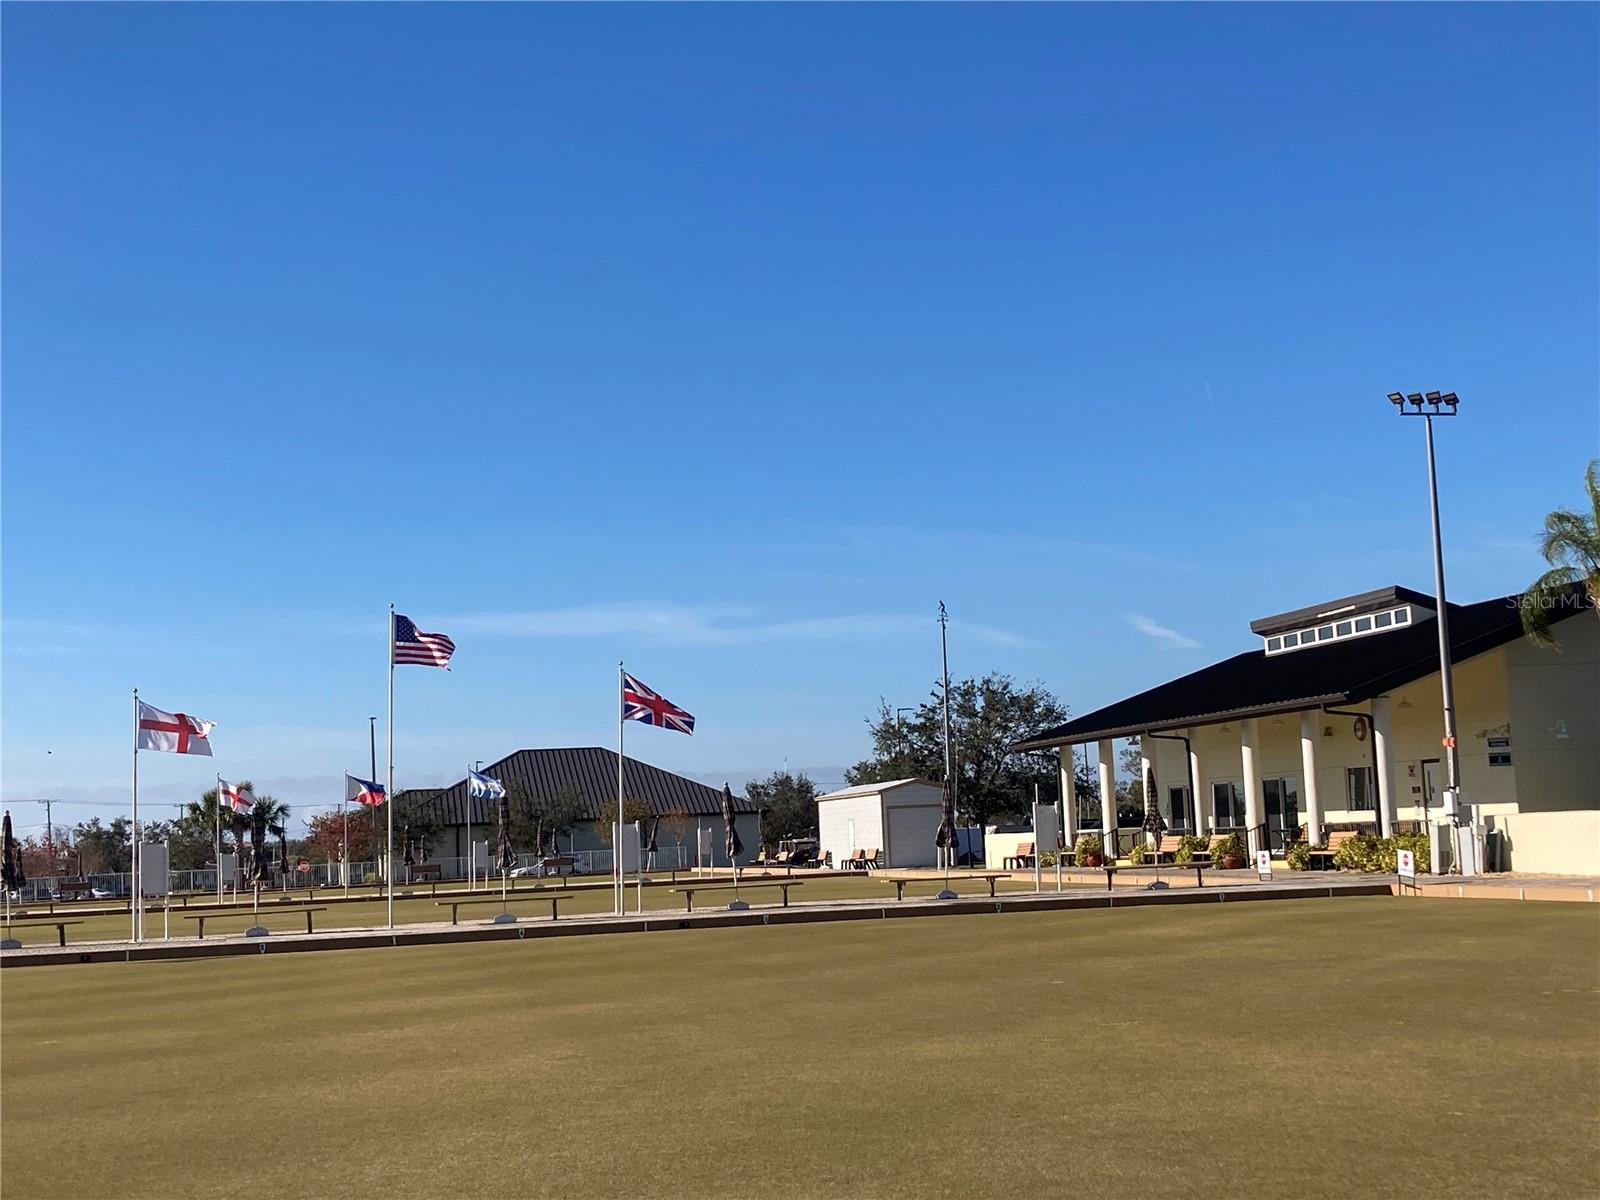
(639, 703)
(413, 646)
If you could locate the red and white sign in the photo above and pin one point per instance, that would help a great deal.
(1264, 864)
(177, 733)
(1406, 863)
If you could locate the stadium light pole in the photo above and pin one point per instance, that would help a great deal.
(1428, 406)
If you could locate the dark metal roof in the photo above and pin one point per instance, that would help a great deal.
(1257, 684)
(591, 772)
(1345, 606)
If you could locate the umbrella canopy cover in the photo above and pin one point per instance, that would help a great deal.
(650, 846)
(505, 857)
(1153, 824)
(260, 864)
(11, 862)
(732, 843)
(410, 859)
(945, 839)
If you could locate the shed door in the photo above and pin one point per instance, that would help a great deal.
(912, 830)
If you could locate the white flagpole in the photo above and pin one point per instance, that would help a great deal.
(219, 838)
(388, 796)
(133, 903)
(616, 839)
(470, 879)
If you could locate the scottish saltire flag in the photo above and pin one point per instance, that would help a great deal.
(481, 787)
(413, 646)
(363, 791)
(178, 733)
(639, 703)
(236, 796)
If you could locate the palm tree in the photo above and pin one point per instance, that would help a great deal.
(1571, 545)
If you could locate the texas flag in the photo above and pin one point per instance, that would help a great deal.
(178, 733)
(236, 796)
(363, 791)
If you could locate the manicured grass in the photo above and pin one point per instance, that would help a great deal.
(1340, 1048)
(373, 913)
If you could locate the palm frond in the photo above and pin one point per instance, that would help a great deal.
(1544, 598)
(1570, 537)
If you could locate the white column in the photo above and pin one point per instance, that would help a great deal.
(1146, 777)
(1382, 735)
(1249, 739)
(1069, 798)
(1202, 810)
(1308, 773)
(1108, 797)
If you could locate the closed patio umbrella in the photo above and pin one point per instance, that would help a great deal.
(946, 839)
(731, 842)
(11, 876)
(1153, 824)
(505, 857)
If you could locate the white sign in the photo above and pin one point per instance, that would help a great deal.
(1264, 864)
(1407, 864)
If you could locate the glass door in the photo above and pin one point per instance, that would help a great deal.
(1282, 798)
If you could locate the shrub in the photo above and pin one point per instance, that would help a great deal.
(1229, 844)
(1299, 856)
(1140, 852)
(1047, 858)
(1188, 844)
(1417, 843)
(1088, 846)
(1363, 852)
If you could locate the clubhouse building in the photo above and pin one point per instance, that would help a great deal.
(1335, 721)
(586, 779)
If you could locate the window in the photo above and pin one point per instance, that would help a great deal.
(1289, 639)
(1178, 808)
(1383, 620)
(1343, 628)
(1358, 789)
(1325, 634)
(1363, 624)
(1276, 643)
(1389, 618)
(1227, 804)
(1402, 616)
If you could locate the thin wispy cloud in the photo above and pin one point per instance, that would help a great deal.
(1161, 633)
(691, 625)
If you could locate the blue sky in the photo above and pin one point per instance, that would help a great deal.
(730, 340)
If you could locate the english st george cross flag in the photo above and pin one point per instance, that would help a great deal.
(413, 646)
(363, 791)
(639, 703)
(239, 798)
(178, 733)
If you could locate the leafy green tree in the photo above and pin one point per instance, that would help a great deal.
(1571, 545)
(422, 813)
(788, 803)
(988, 717)
(1130, 785)
(103, 849)
(633, 810)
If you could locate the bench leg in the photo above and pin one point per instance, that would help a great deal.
(553, 907)
(308, 922)
(991, 889)
(61, 930)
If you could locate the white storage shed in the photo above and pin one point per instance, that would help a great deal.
(900, 820)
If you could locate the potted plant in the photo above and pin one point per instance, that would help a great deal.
(1228, 852)
(1089, 851)
(1140, 852)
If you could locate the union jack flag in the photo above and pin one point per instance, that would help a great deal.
(639, 703)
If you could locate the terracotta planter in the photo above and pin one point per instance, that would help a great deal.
(1232, 862)
(1093, 860)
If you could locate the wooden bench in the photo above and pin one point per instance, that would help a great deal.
(900, 881)
(556, 862)
(427, 871)
(59, 926)
(688, 892)
(821, 862)
(555, 899)
(75, 889)
(1198, 866)
(869, 859)
(201, 918)
(1022, 858)
(1324, 857)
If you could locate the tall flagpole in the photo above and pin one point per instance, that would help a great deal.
(616, 839)
(388, 795)
(949, 758)
(133, 903)
(471, 882)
